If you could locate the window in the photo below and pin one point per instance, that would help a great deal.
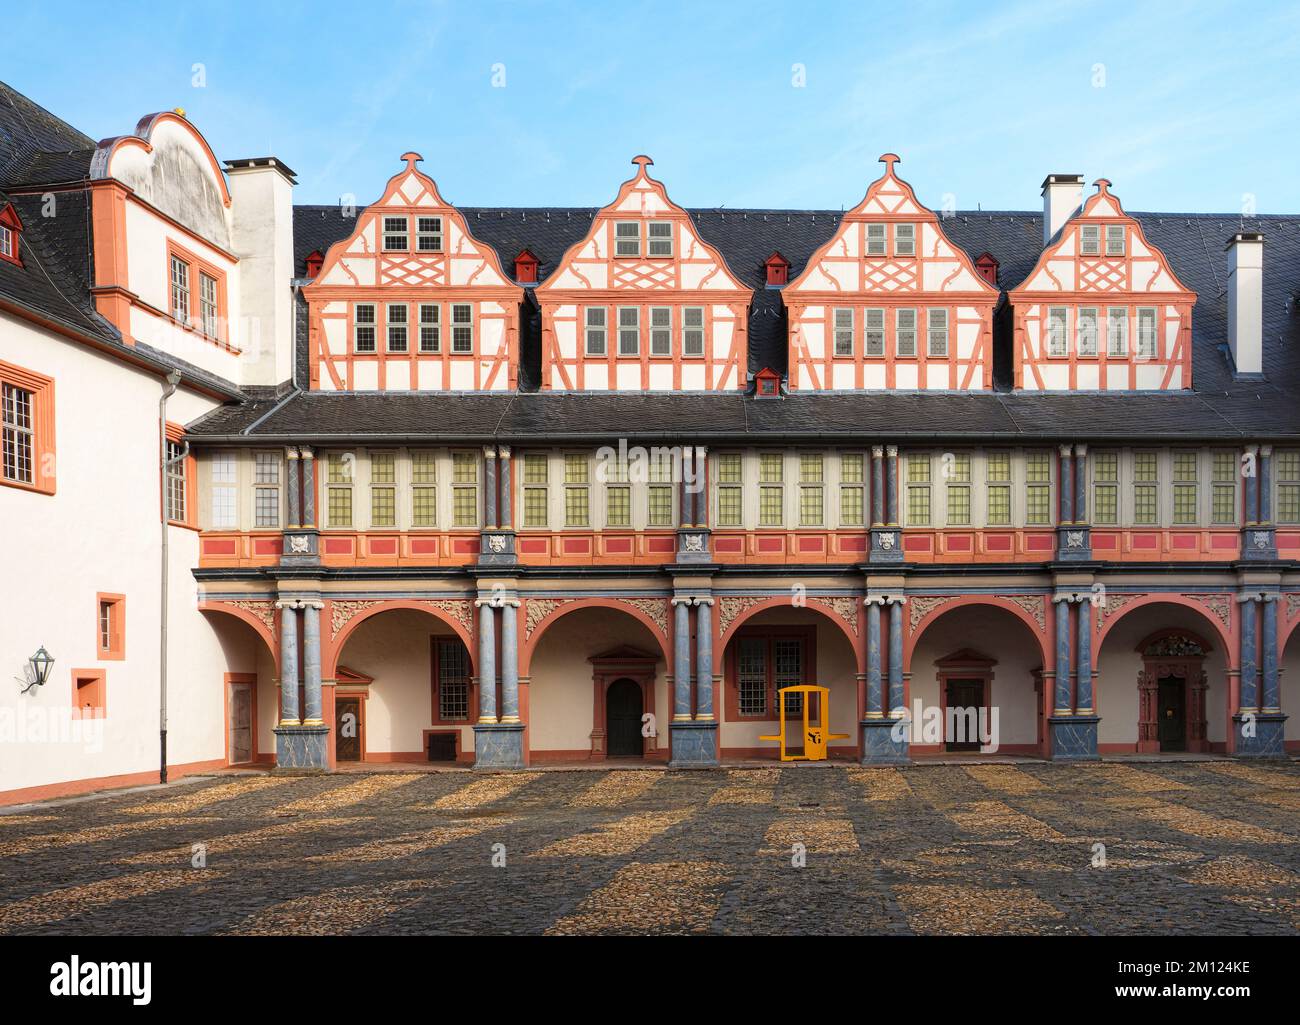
(110, 640)
(180, 277)
(266, 489)
(730, 489)
(771, 489)
(812, 506)
(462, 328)
(1185, 488)
(627, 238)
(175, 477)
(918, 490)
(751, 676)
(904, 239)
(430, 327)
(1058, 326)
(364, 328)
(577, 490)
(661, 330)
(396, 237)
(338, 490)
(453, 679)
(905, 335)
(958, 489)
(225, 492)
(88, 694)
(7, 240)
(1146, 488)
(1105, 488)
(938, 333)
(1090, 240)
(1287, 466)
(853, 485)
(874, 324)
(464, 489)
(1114, 240)
(844, 332)
(428, 234)
(659, 238)
(875, 240)
(397, 327)
(1147, 339)
(1088, 331)
(1224, 495)
(596, 324)
(19, 434)
(618, 494)
(1117, 331)
(1038, 488)
(208, 305)
(383, 489)
(537, 493)
(765, 665)
(629, 330)
(424, 489)
(693, 331)
(998, 474)
(659, 494)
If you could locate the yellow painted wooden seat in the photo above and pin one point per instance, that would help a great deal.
(815, 706)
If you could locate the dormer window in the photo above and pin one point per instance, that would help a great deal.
(397, 237)
(659, 235)
(428, 234)
(1114, 240)
(875, 240)
(10, 230)
(778, 270)
(526, 268)
(767, 385)
(1090, 240)
(627, 238)
(987, 266)
(315, 260)
(904, 239)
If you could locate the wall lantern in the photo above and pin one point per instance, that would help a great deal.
(40, 663)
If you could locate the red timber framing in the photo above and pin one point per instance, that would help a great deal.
(1102, 310)
(413, 266)
(648, 278)
(886, 282)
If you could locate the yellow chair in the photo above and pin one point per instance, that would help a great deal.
(815, 723)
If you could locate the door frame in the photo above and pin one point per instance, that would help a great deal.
(625, 663)
(230, 681)
(1181, 654)
(640, 684)
(360, 697)
(966, 664)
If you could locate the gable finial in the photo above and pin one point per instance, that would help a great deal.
(642, 162)
(1103, 186)
(412, 159)
(889, 160)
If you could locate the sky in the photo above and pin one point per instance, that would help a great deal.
(1184, 107)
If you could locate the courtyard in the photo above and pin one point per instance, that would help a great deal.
(1114, 848)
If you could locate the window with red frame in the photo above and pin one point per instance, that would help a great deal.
(764, 661)
(10, 231)
(451, 680)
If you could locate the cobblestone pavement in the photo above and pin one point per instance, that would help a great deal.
(1196, 847)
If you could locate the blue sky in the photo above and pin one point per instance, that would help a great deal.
(1183, 107)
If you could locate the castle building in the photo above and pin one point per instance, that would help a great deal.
(413, 482)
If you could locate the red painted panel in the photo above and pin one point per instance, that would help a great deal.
(812, 544)
(424, 545)
(1149, 542)
(465, 546)
(1039, 542)
(577, 546)
(917, 544)
(958, 542)
(619, 545)
(1105, 542)
(1185, 542)
(268, 546)
(998, 542)
(728, 544)
(338, 546)
(532, 546)
(383, 546)
(771, 544)
(853, 544)
(1287, 541)
(224, 547)
(662, 544)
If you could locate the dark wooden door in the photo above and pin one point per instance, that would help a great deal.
(1172, 698)
(347, 729)
(623, 719)
(964, 695)
(241, 723)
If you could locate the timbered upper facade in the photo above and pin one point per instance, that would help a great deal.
(1102, 309)
(643, 303)
(890, 302)
(412, 301)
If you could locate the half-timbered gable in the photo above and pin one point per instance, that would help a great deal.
(412, 301)
(1102, 309)
(643, 303)
(890, 302)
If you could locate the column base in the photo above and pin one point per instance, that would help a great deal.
(1074, 738)
(881, 745)
(1267, 734)
(694, 745)
(500, 746)
(301, 748)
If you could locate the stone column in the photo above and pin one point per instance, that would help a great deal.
(1270, 693)
(896, 706)
(1083, 692)
(293, 487)
(311, 663)
(704, 659)
(308, 488)
(1061, 704)
(891, 486)
(884, 724)
(1249, 697)
(701, 489)
(1265, 484)
(510, 661)
(487, 656)
(489, 487)
(1066, 486)
(681, 659)
(288, 663)
(1080, 483)
(874, 697)
(507, 489)
(1252, 488)
(877, 486)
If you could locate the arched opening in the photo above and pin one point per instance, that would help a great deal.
(1289, 686)
(244, 689)
(977, 684)
(1161, 680)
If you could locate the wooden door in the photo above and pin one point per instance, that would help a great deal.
(347, 729)
(623, 708)
(1172, 709)
(964, 695)
(241, 723)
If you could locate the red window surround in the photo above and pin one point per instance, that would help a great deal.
(194, 319)
(526, 268)
(110, 626)
(89, 694)
(10, 233)
(30, 458)
(778, 270)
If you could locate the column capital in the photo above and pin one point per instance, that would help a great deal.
(308, 453)
(877, 451)
(891, 451)
(489, 452)
(1265, 450)
(1252, 449)
(1070, 598)
(1065, 450)
(1080, 450)
(701, 600)
(289, 603)
(291, 452)
(505, 451)
(317, 605)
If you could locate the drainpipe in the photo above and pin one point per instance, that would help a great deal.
(173, 380)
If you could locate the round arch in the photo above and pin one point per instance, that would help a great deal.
(334, 647)
(783, 601)
(251, 619)
(991, 601)
(534, 635)
(1217, 629)
(1286, 626)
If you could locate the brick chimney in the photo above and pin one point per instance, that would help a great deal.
(1246, 302)
(1062, 199)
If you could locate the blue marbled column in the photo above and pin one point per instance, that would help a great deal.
(1081, 484)
(1266, 484)
(1270, 695)
(1067, 485)
(1062, 701)
(510, 661)
(1252, 488)
(288, 665)
(311, 664)
(874, 696)
(891, 485)
(1083, 699)
(292, 485)
(487, 664)
(681, 659)
(308, 488)
(896, 659)
(704, 659)
(507, 513)
(1249, 661)
(877, 486)
(489, 487)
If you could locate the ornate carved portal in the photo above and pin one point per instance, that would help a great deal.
(1171, 693)
(616, 671)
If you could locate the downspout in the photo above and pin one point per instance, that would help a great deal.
(173, 380)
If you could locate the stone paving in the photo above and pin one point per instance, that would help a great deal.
(1189, 847)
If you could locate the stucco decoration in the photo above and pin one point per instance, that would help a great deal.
(922, 605)
(538, 609)
(263, 610)
(845, 608)
(1219, 605)
(341, 612)
(1031, 603)
(730, 608)
(656, 609)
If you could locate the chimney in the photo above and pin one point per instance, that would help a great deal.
(261, 200)
(1246, 302)
(1062, 199)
